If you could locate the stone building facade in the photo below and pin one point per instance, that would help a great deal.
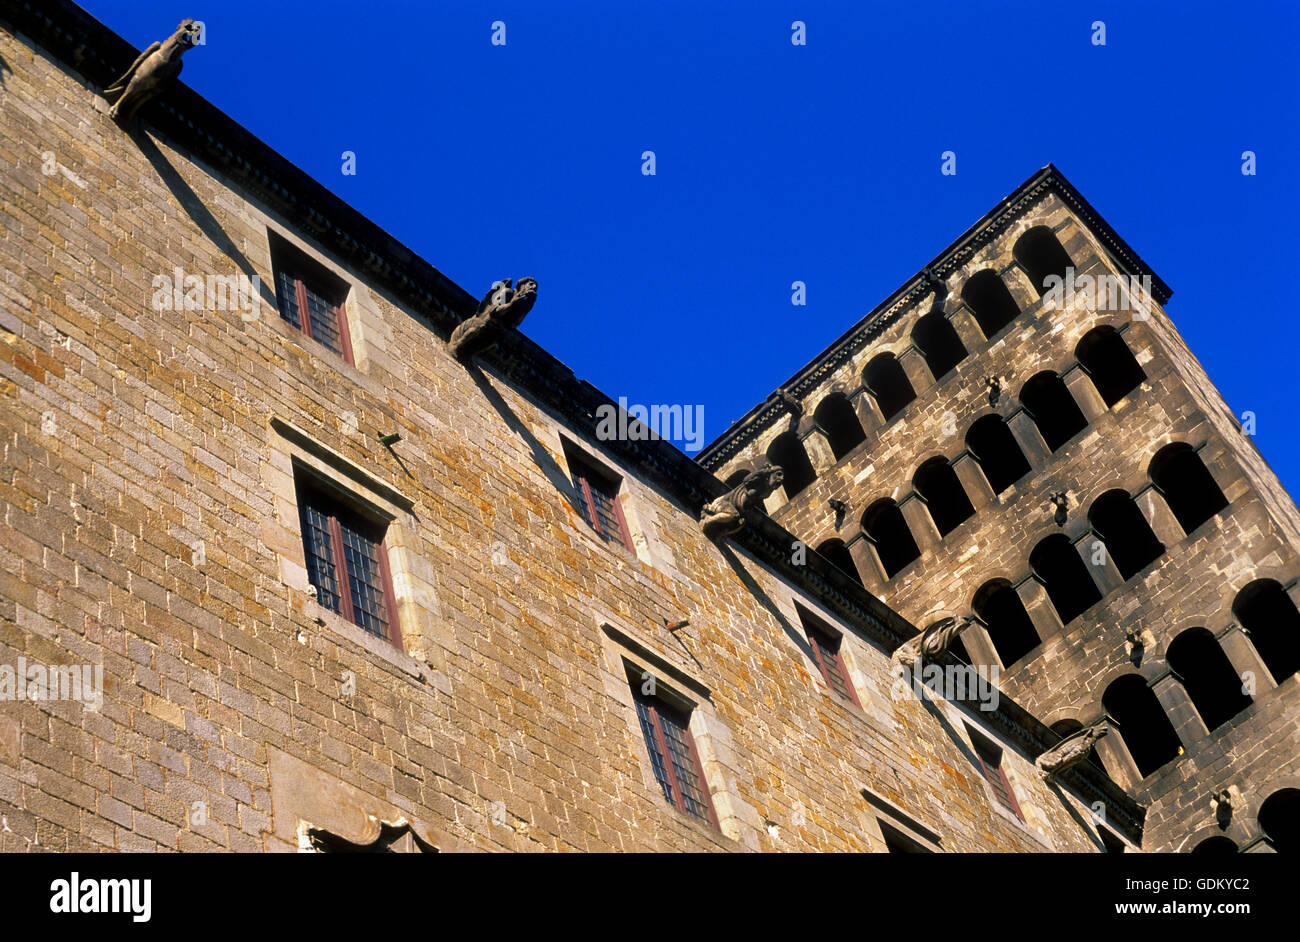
(330, 588)
(1021, 434)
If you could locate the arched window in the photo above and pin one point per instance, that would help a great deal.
(1128, 537)
(942, 492)
(1270, 618)
(1109, 363)
(1049, 403)
(997, 452)
(1216, 846)
(1208, 676)
(888, 384)
(1142, 723)
(835, 417)
(1067, 728)
(1186, 485)
(998, 606)
(885, 527)
(990, 301)
(1058, 567)
(1279, 819)
(788, 452)
(841, 559)
(1040, 254)
(938, 342)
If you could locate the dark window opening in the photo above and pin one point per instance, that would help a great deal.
(886, 528)
(1142, 723)
(989, 300)
(736, 477)
(311, 298)
(788, 453)
(598, 502)
(937, 484)
(1009, 627)
(1272, 623)
(1208, 677)
(1216, 846)
(1069, 585)
(1129, 540)
(888, 384)
(938, 342)
(1049, 403)
(1041, 255)
(826, 655)
(896, 842)
(347, 561)
(989, 757)
(1110, 841)
(673, 756)
(997, 452)
(839, 556)
(1186, 485)
(1279, 818)
(1109, 363)
(837, 419)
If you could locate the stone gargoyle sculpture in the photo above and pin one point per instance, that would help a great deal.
(931, 643)
(1070, 752)
(726, 515)
(154, 68)
(1224, 803)
(503, 307)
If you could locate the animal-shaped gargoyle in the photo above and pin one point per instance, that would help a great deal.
(502, 308)
(156, 66)
(726, 515)
(1070, 752)
(930, 644)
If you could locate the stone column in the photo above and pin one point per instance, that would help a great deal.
(1114, 755)
(1106, 574)
(1160, 518)
(1029, 439)
(819, 451)
(980, 646)
(867, 562)
(1085, 395)
(973, 481)
(1245, 659)
(1188, 724)
(919, 522)
(968, 329)
(869, 414)
(917, 370)
(1021, 288)
(1041, 611)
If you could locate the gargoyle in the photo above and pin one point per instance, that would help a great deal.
(726, 515)
(1070, 752)
(156, 66)
(1223, 803)
(503, 307)
(931, 643)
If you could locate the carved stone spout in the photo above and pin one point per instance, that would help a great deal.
(502, 308)
(932, 643)
(726, 515)
(155, 68)
(1070, 752)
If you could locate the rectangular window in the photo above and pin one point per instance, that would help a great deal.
(347, 562)
(673, 756)
(989, 757)
(311, 298)
(827, 657)
(598, 501)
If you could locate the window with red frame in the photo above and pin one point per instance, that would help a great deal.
(989, 757)
(826, 655)
(673, 755)
(311, 298)
(347, 562)
(598, 502)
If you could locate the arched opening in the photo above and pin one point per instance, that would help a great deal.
(1270, 618)
(1129, 540)
(1041, 255)
(735, 477)
(1142, 723)
(788, 453)
(989, 300)
(888, 384)
(1186, 485)
(835, 417)
(1066, 729)
(938, 342)
(884, 525)
(1009, 627)
(1049, 403)
(839, 556)
(937, 484)
(1208, 677)
(1216, 847)
(1279, 819)
(997, 452)
(1109, 363)
(1058, 567)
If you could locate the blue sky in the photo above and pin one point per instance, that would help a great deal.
(778, 163)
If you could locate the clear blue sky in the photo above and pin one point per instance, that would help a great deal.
(778, 163)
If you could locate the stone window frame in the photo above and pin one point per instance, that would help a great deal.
(294, 452)
(627, 657)
(1030, 814)
(640, 547)
(881, 811)
(804, 614)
